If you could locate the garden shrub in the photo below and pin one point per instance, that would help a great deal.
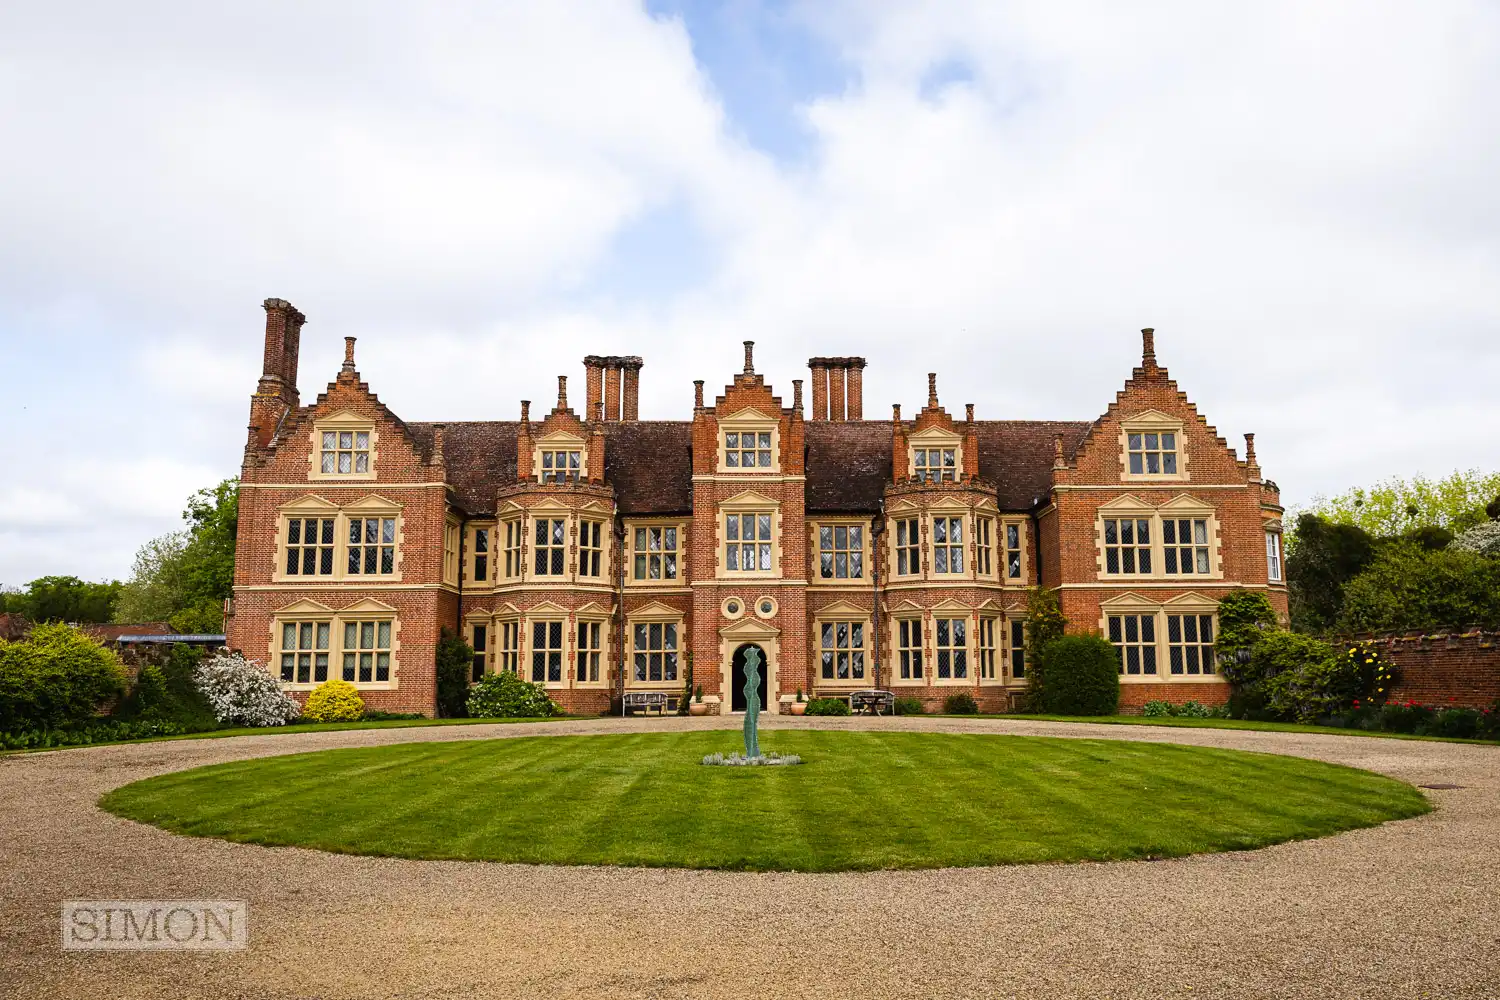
(1045, 624)
(1194, 710)
(960, 703)
(97, 732)
(909, 706)
(455, 665)
(503, 695)
(1245, 617)
(379, 716)
(167, 692)
(334, 701)
(241, 693)
(1482, 538)
(1409, 588)
(1157, 709)
(57, 677)
(827, 706)
(1080, 676)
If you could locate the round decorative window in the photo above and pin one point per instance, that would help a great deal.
(765, 607)
(733, 607)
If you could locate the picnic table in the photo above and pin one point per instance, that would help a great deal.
(872, 701)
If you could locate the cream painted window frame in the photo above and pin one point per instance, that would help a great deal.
(942, 440)
(1009, 649)
(336, 620)
(1154, 422)
(754, 422)
(989, 667)
(985, 536)
(741, 504)
(1275, 559)
(1158, 612)
(452, 542)
(918, 661)
(598, 526)
(314, 507)
(563, 649)
(560, 441)
(633, 553)
(914, 521)
(834, 620)
(955, 651)
(647, 618)
(601, 622)
(507, 643)
(815, 547)
(1023, 551)
(472, 553)
(960, 548)
(1182, 507)
(343, 422)
(510, 548)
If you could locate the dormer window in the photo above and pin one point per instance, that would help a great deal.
(561, 466)
(1152, 454)
(346, 452)
(935, 465)
(747, 449)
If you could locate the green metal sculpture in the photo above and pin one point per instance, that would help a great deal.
(752, 701)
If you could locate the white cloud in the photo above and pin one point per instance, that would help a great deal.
(1298, 196)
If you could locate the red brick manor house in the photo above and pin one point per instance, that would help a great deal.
(597, 553)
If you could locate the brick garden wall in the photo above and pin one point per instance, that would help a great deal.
(1460, 669)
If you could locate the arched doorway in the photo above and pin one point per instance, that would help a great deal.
(737, 678)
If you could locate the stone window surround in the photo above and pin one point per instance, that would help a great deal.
(1153, 422)
(936, 437)
(655, 614)
(319, 507)
(949, 507)
(312, 611)
(452, 551)
(527, 517)
(492, 553)
(1179, 507)
(836, 615)
(560, 441)
(1187, 604)
(523, 620)
(815, 574)
(341, 421)
(749, 420)
(748, 502)
(891, 670)
(681, 579)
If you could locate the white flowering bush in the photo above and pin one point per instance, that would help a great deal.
(1482, 538)
(737, 759)
(242, 693)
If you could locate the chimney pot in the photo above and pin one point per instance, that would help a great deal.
(797, 396)
(969, 412)
(896, 412)
(697, 394)
(562, 392)
(349, 354)
(749, 357)
(1148, 348)
(932, 397)
(525, 411)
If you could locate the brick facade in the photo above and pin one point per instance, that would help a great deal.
(601, 554)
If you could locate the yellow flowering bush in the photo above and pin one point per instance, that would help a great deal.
(334, 701)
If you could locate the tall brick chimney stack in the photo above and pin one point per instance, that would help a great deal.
(632, 402)
(797, 396)
(593, 376)
(836, 392)
(856, 389)
(819, 388)
(276, 393)
(612, 393)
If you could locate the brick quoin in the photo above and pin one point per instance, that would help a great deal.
(441, 483)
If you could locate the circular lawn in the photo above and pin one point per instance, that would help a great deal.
(861, 801)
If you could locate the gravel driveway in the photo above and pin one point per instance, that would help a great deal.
(1409, 909)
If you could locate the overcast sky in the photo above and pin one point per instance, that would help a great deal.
(1300, 197)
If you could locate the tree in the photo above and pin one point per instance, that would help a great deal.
(1408, 588)
(1327, 556)
(1395, 505)
(1080, 675)
(455, 660)
(185, 576)
(66, 599)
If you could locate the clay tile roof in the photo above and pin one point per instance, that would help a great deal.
(650, 463)
(1016, 455)
(479, 455)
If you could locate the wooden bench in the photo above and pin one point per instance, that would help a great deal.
(645, 701)
(872, 701)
